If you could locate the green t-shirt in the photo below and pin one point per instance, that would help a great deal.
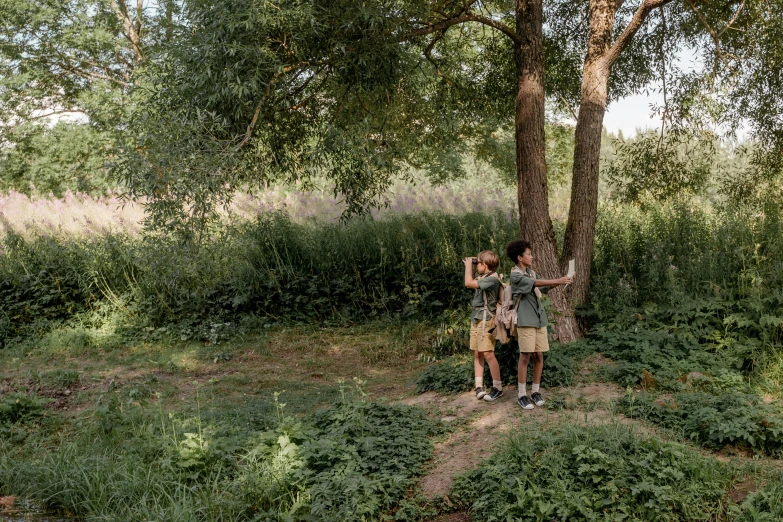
(531, 312)
(488, 285)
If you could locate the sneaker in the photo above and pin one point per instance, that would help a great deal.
(538, 400)
(525, 403)
(493, 394)
(480, 393)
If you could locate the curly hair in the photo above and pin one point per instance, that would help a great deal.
(516, 248)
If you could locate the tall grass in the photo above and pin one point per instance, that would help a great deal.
(684, 259)
(682, 249)
(272, 267)
(80, 214)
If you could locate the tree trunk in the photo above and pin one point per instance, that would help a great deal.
(580, 229)
(534, 221)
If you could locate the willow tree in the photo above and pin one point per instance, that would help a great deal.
(249, 92)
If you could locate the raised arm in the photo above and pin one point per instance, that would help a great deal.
(565, 280)
(470, 281)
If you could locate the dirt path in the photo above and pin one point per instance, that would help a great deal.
(481, 426)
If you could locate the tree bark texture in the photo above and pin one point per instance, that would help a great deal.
(534, 221)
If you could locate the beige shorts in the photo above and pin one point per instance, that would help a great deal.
(485, 343)
(532, 339)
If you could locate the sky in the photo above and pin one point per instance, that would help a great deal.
(632, 113)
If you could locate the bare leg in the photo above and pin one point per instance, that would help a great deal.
(478, 364)
(524, 360)
(494, 367)
(538, 367)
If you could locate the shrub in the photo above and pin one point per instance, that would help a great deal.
(405, 266)
(713, 420)
(593, 473)
(352, 462)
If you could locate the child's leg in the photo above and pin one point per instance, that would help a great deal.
(542, 345)
(478, 366)
(494, 368)
(524, 360)
(538, 368)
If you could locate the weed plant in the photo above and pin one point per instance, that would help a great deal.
(763, 505)
(713, 420)
(355, 461)
(593, 473)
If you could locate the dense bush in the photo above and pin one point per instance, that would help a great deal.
(593, 473)
(714, 276)
(403, 266)
(352, 462)
(713, 420)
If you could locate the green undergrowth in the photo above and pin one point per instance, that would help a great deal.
(713, 420)
(596, 473)
(357, 460)
(762, 505)
(271, 270)
(455, 373)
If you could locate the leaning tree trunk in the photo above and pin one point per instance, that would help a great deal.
(534, 221)
(602, 53)
(580, 229)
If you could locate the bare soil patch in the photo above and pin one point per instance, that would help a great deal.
(460, 516)
(740, 490)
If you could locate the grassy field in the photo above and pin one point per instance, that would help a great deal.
(292, 371)
(115, 433)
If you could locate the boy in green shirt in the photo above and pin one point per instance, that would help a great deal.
(482, 320)
(531, 319)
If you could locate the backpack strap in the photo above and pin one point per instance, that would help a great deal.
(533, 275)
(486, 308)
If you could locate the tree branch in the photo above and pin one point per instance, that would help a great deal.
(461, 18)
(630, 31)
(121, 11)
(54, 113)
(252, 125)
(428, 55)
(568, 106)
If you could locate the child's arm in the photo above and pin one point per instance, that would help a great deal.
(565, 280)
(470, 282)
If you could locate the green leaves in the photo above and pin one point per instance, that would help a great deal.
(592, 473)
(731, 418)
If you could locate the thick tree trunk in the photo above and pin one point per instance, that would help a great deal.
(580, 229)
(534, 221)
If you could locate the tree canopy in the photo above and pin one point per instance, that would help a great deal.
(206, 97)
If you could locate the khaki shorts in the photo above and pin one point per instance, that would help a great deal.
(532, 339)
(487, 343)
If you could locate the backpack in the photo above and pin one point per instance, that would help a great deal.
(507, 312)
(503, 307)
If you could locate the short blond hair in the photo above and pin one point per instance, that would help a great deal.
(489, 258)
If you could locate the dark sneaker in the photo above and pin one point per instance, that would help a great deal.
(525, 403)
(480, 393)
(538, 400)
(493, 394)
